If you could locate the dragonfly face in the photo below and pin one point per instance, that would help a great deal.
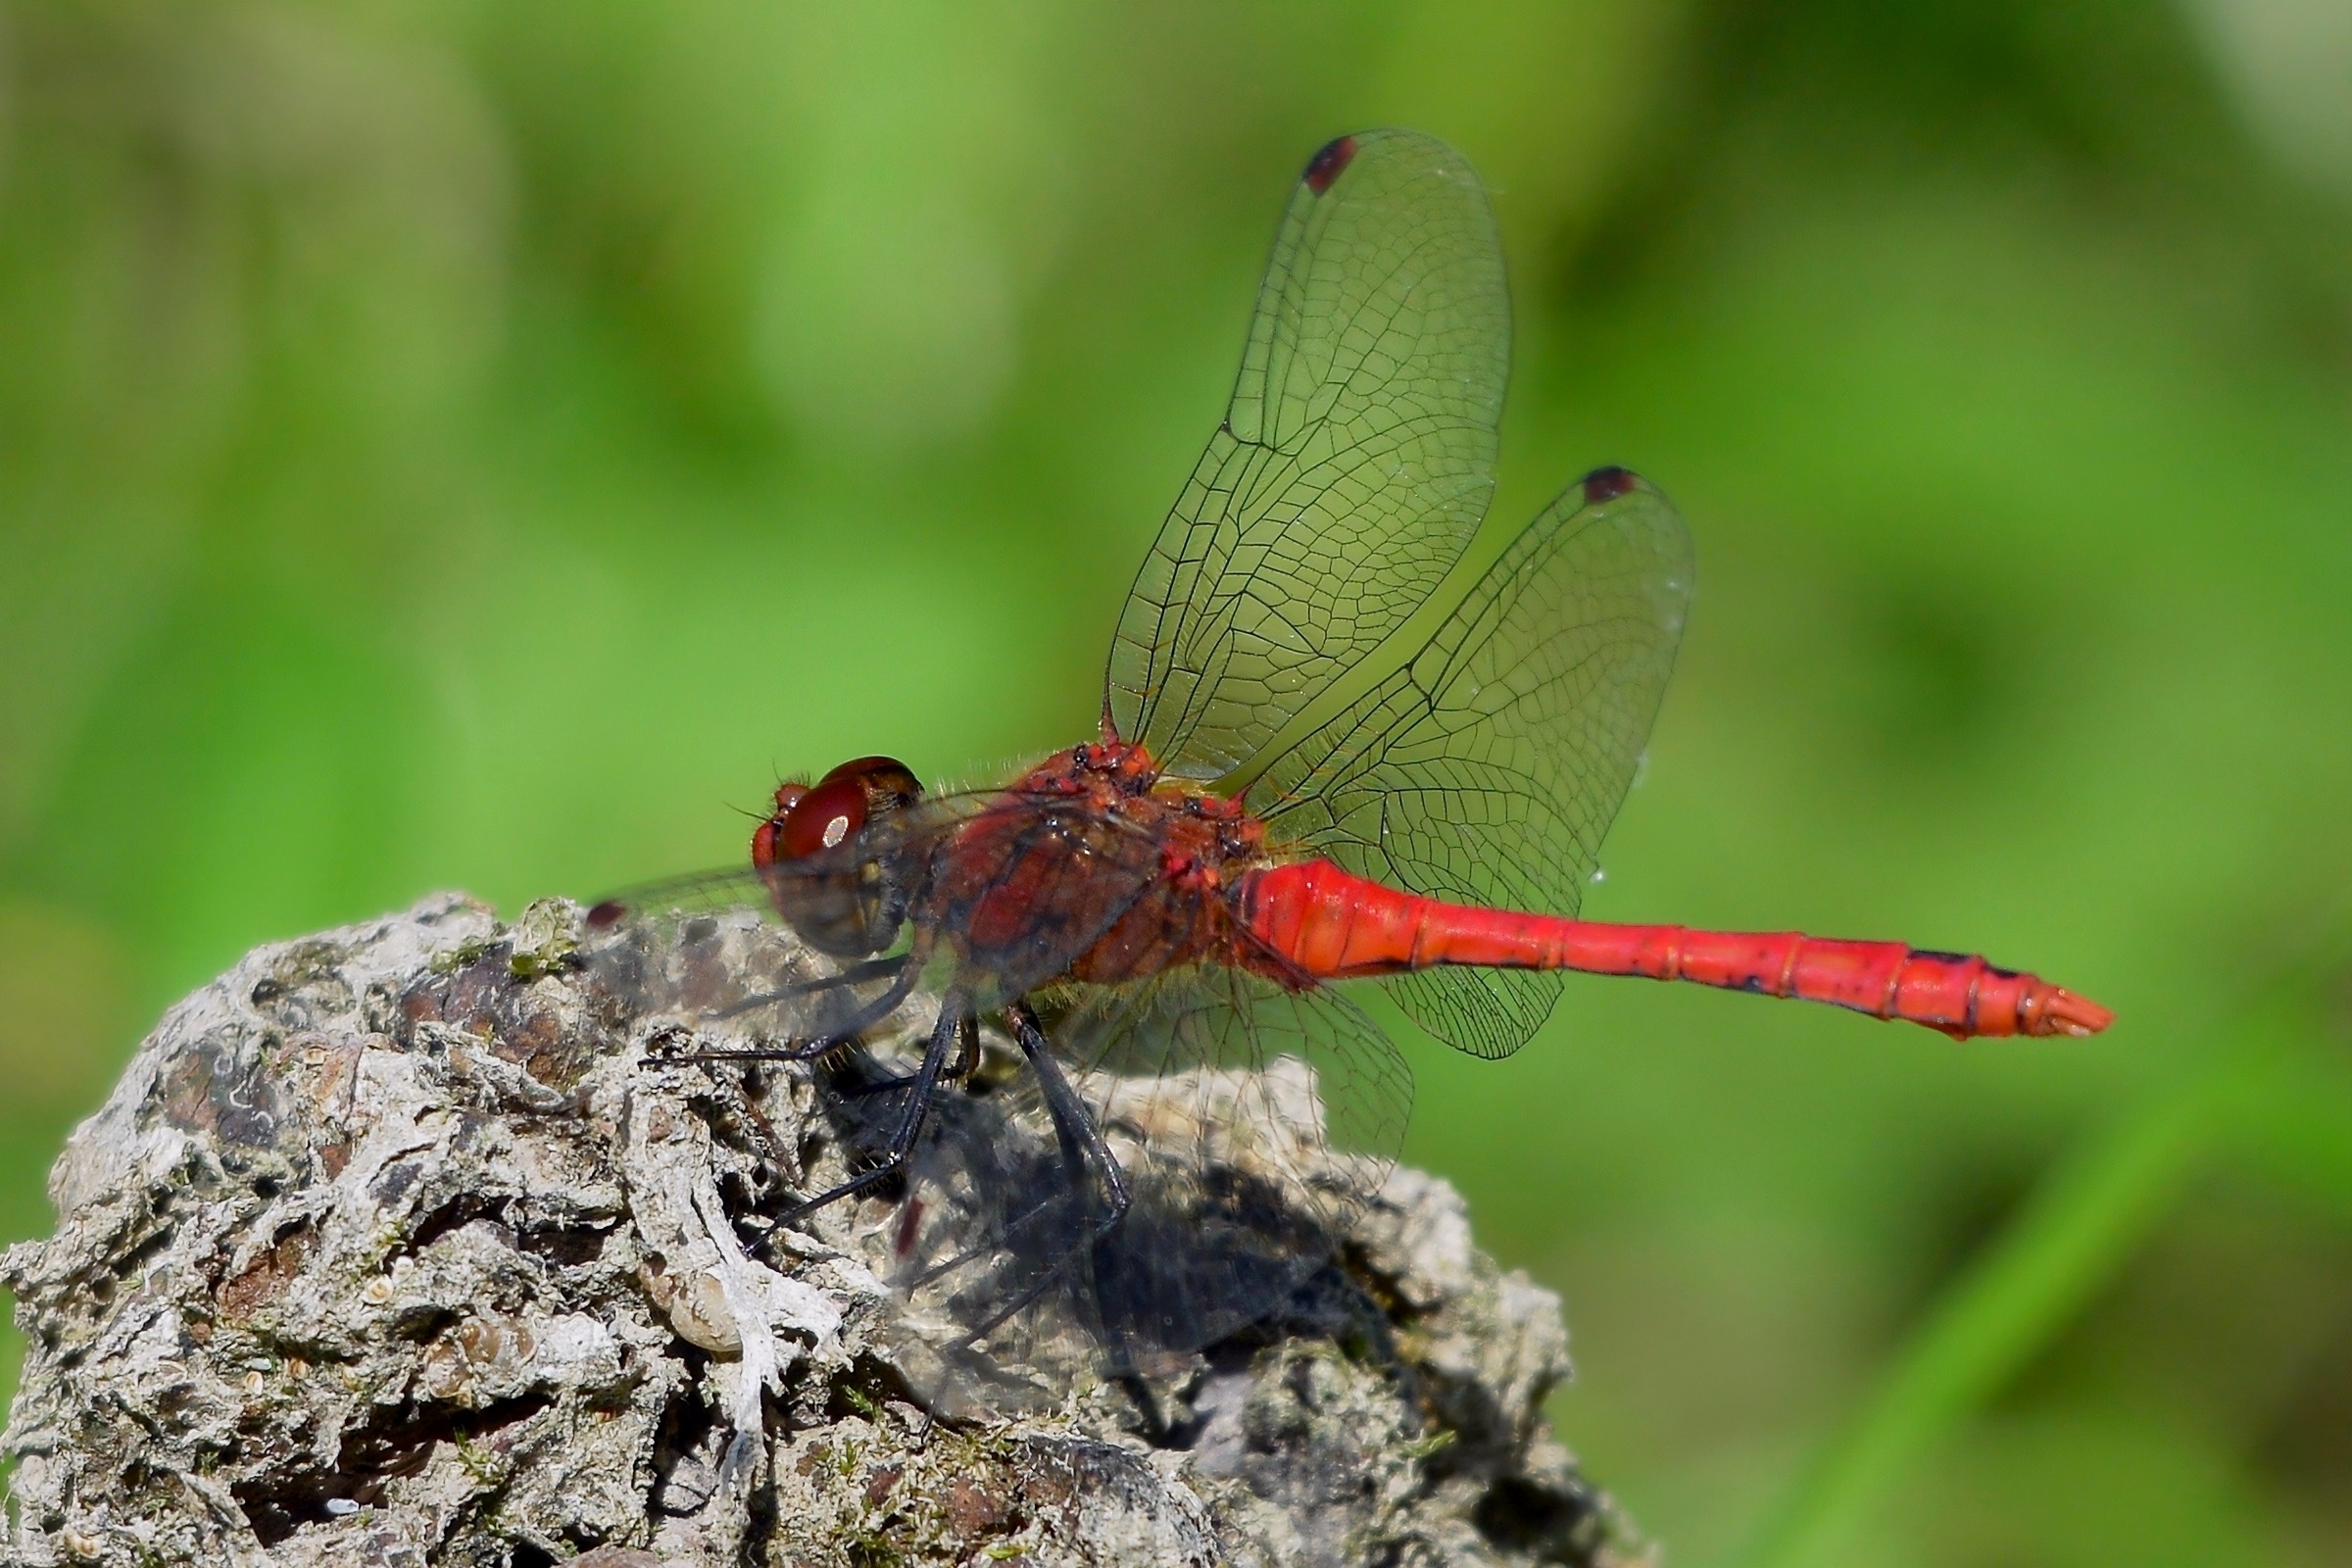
(855, 908)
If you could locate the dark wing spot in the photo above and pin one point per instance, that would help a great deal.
(605, 913)
(1607, 484)
(1328, 164)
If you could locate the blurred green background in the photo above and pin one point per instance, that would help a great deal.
(477, 445)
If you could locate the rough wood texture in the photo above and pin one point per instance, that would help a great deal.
(393, 1247)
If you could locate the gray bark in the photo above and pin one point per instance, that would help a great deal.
(393, 1245)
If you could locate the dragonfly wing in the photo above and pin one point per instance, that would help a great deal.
(1249, 1125)
(1353, 465)
(726, 951)
(1486, 768)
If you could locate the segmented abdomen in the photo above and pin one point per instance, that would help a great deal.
(1334, 925)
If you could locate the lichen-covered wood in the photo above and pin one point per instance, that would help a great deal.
(395, 1246)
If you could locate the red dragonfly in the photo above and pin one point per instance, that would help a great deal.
(1312, 769)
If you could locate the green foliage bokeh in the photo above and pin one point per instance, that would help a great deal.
(477, 444)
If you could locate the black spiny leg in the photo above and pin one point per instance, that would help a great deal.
(865, 1018)
(1075, 1130)
(856, 974)
(1073, 1124)
(968, 1063)
(945, 1035)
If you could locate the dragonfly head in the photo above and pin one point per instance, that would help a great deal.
(850, 904)
(810, 818)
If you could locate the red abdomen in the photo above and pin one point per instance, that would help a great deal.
(1332, 925)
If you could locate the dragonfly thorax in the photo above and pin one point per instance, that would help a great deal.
(1091, 867)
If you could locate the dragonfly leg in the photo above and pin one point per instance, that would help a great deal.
(856, 974)
(944, 1036)
(1079, 1138)
(879, 1086)
(1073, 1126)
(896, 966)
(841, 1033)
(968, 1063)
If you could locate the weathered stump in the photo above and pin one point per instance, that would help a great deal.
(393, 1245)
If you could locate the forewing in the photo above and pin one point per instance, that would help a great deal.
(726, 950)
(1355, 463)
(1486, 769)
(1250, 1125)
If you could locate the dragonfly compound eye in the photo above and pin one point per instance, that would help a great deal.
(823, 817)
(889, 783)
(843, 802)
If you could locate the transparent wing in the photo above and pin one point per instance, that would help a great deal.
(1486, 769)
(1355, 463)
(1248, 1124)
(731, 951)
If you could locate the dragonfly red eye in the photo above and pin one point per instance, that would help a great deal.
(883, 775)
(844, 801)
(823, 817)
(889, 784)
